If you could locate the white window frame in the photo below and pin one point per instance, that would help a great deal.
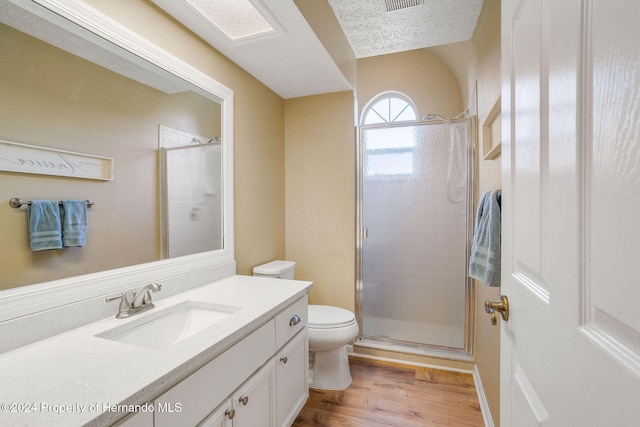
(388, 119)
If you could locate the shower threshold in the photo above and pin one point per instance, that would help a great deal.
(407, 348)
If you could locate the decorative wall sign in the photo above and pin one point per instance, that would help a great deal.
(15, 157)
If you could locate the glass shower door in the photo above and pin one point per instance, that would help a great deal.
(414, 247)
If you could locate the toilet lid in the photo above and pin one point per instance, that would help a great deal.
(323, 316)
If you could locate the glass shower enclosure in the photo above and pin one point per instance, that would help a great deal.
(415, 221)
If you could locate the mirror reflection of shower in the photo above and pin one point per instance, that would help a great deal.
(208, 193)
(192, 192)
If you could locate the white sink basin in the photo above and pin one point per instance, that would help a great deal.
(171, 325)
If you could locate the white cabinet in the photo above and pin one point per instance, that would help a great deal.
(221, 417)
(252, 405)
(200, 393)
(259, 382)
(292, 388)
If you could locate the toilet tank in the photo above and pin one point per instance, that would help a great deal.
(277, 269)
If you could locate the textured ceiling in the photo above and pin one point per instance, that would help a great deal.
(294, 62)
(371, 30)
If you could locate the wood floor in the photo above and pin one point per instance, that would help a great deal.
(387, 394)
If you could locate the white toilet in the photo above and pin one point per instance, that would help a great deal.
(330, 330)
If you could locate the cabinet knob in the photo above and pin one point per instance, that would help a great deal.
(230, 413)
(294, 320)
(283, 359)
(244, 400)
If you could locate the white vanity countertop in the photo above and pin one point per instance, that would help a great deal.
(73, 378)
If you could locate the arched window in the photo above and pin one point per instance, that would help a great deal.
(388, 151)
(389, 107)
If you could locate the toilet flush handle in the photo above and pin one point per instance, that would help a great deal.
(294, 320)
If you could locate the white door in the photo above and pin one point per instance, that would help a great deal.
(570, 351)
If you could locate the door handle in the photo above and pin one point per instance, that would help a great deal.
(501, 307)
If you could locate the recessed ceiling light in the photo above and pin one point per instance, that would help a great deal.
(237, 19)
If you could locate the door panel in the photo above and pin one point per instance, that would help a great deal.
(527, 25)
(570, 352)
(529, 410)
(613, 185)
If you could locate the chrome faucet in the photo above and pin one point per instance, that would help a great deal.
(143, 298)
(141, 301)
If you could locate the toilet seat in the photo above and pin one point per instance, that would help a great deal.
(328, 317)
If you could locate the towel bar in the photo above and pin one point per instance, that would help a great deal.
(17, 202)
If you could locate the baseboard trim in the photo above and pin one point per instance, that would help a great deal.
(482, 398)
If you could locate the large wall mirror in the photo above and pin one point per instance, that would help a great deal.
(166, 125)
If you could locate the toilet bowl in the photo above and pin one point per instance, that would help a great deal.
(330, 330)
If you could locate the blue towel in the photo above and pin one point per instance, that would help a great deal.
(484, 263)
(43, 217)
(74, 222)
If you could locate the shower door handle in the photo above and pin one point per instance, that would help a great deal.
(501, 307)
(364, 233)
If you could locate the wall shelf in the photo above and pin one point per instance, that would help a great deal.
(491, 133)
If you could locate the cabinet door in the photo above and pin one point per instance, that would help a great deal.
(254, 402)
(221, 417)
(140, 419)
(292, 382)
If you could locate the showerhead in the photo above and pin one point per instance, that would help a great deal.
(465, 113)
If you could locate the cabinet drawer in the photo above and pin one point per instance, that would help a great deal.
(291, 320)
(197, 395)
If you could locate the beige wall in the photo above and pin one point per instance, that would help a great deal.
(487, 74)
(419, 74)
(477, 62)
(320, 195)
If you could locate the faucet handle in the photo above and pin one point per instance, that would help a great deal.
(125, 305)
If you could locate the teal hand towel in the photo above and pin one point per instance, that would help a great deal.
(74, 222)
(43, 218)
(484, 263)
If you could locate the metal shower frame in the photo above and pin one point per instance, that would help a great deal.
(466, 353)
